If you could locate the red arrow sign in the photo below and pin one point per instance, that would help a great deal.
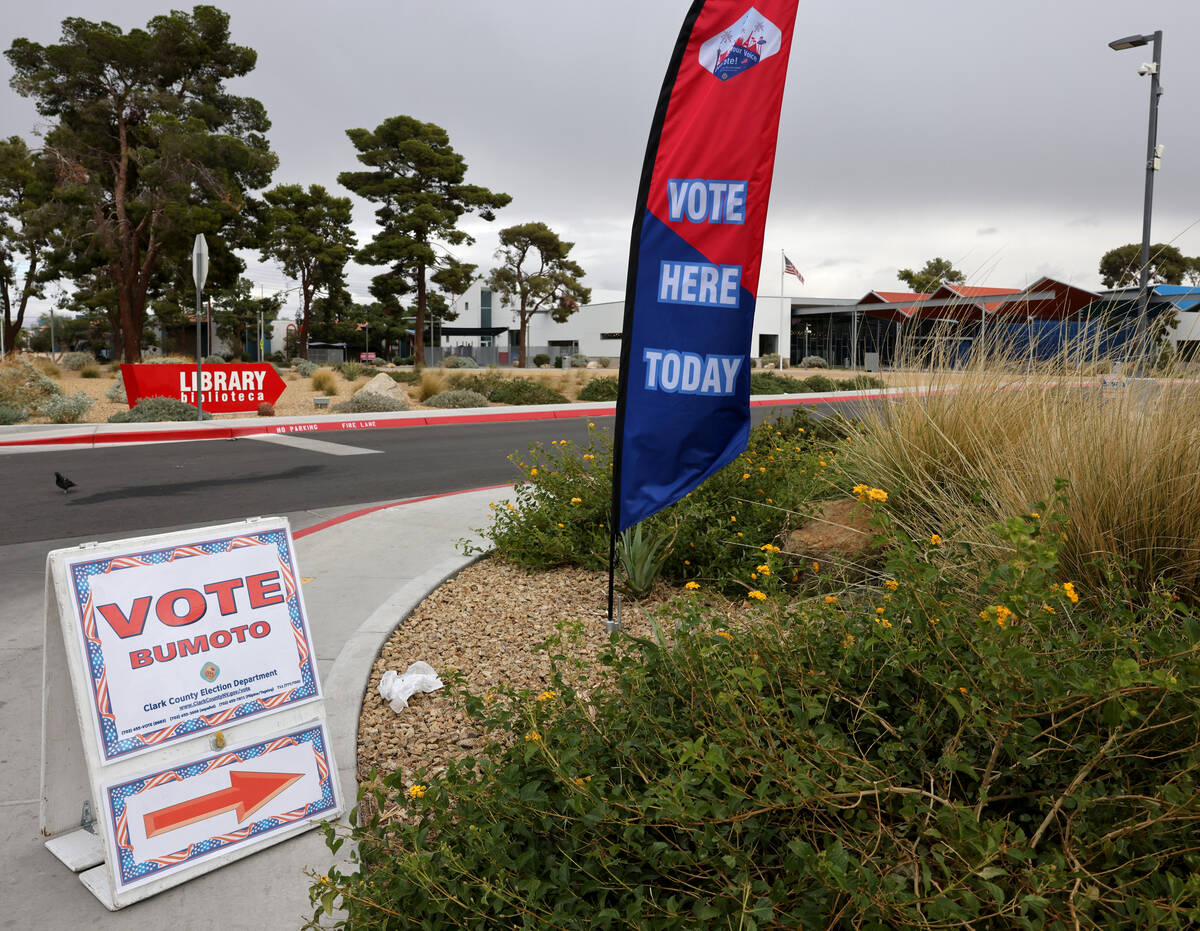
(231, 388)
(247, 793)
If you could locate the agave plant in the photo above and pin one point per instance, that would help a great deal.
(640, 557)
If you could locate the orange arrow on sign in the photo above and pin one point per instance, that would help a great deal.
(247, 793)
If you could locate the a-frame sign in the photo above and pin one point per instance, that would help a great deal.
(182, 717)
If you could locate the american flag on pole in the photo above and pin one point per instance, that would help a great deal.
(790, 269)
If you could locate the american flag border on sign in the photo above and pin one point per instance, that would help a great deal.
(113, 747)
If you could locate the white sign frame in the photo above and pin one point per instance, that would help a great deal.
(81, 772)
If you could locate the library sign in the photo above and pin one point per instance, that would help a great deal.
(231, 388)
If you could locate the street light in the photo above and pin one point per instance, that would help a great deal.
(199, 275)
(1153, 153)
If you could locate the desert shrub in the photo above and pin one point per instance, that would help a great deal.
(910, 755)
(266, 409)
(305, 368)
(457, 398)
(116, 391)
(368, 402)
(403, 360)
(814, 362)
(559, 361)
(323, 381)
(579, 361)
(151, 410)
(433, 381)
(90, 371)
(819, 384)
(560, 516)
(405, 378)
(861, 383)
(459, 362)
(277, 358)
(47, 367)
(769, 361)
(75, 361)
(541, 359)
(67, 408)
(523, 391)
(25, 388)
(603, 388)
(10, 415)
(351, 370)
(774, 383)
(214, 359)
(483, 382)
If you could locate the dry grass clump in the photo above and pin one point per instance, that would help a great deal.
(324, 382)
(989, 446)
(433, 381)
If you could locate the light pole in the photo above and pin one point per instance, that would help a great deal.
(1153, 153)
(199, 274)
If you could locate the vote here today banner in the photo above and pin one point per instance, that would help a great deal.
(683, 409)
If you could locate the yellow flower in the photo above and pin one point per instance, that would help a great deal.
(881, 611)
(562, 525)
(935, 540)
(745, 475)
(687, 562)
(733, 518)
(692, 586)
(763, 570)
(489, 697)
(816, 567)
(417, 791)
(860, 490)
(754, 575)
(533, 472)
(546, 695)
(762, 468)
(577, 501)
(724, 633)
(963, 689)
(848, 641)
(1047, 608)
(533, 736)
(1069, 590)
(739, 533)
(891, 584)
(770, 548)
(756, 595)
(588, 456)
(1034, 514)
(998, 613)
(877, 494)
(883, 622)
(830, 600)
(590, 425)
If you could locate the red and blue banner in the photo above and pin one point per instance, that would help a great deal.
(683, 409)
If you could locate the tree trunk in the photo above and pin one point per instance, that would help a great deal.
(524, 331)
(419, 325)
(131, 331)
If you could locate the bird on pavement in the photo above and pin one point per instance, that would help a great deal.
(63, 482)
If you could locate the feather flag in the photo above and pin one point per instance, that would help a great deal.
(683, 407)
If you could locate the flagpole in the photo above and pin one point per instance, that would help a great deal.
(784, 323)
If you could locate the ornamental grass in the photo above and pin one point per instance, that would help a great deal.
(984, 440)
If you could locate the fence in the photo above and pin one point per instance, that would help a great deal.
(494, 355)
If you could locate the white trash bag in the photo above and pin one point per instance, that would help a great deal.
(397, 688)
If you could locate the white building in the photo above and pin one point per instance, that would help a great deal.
(485, 323)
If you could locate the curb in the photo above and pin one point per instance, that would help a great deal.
(104, 435)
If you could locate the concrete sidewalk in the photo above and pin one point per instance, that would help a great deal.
(365, 570)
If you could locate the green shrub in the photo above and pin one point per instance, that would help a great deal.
(457, 398)
(911, 758)
(861, 383)
(579, 361)
(459, 362)
(403, 360)
(604, 361)
(76, 361)
(214, 359)
(352, 370)
(90, 371)
(560, 516)
(484, 382)
(66, 408)
(305, 368)
(10, 415)
(814, 362)
(524, 391)
(116, 391)
(405, 378)
(322, 380)
(773, 383)
(819, 384)
(368, 402)
(152, 410)
(603, 388)
(541, 359)
(769, 361)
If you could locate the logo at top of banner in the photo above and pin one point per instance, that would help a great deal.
(741, 46)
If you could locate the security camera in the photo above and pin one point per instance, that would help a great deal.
(1148, 67)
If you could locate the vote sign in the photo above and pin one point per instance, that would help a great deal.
(186, 639)
(231, 388)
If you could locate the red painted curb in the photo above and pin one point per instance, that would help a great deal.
(218, 432)
(334, 521)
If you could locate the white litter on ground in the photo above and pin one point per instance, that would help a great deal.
(397, 688)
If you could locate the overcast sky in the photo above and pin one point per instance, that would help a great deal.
(1002, 134)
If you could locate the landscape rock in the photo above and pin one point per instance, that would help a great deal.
(841, 533)
(385, 385)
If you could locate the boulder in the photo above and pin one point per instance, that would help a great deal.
(385, 385)
(841, 533)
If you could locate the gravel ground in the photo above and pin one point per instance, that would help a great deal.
(488, 623)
